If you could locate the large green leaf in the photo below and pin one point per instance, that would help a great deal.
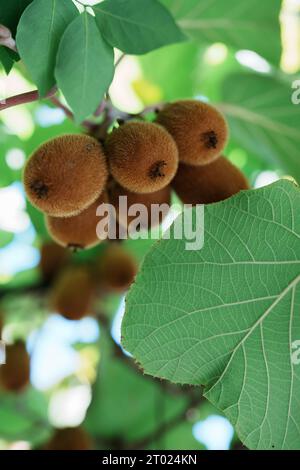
(39, 33)
(227, 316)
(136, 26)
(241, 25)
(263, 119)
(85, 66)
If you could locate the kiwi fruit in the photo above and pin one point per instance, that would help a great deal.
(73, 293)
(199, 130)
(142, 156)
(207, 184)
(116, 269)
(53, 259)
(65, 175)
(15, 373)
(70, 439)
(163, 196)
(79, 231)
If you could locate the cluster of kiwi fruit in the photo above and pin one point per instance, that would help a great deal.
(68, 177)
(75, 286)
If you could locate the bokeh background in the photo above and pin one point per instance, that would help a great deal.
(80, 376)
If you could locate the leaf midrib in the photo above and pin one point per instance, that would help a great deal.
(51, 25)
(259, 119)
(257, 323)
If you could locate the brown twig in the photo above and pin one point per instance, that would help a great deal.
(24, 98)
(100, 109)
(61, 106)
(154, 108)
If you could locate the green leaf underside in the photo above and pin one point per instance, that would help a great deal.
(263, 119)
(232, 22)
(84, 77)
(38, 36)
(226, 316)
(136, 26)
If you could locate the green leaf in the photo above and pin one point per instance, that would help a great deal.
(263, 119)
(10, 13)
(241, 25)
(137, 26)
(6, 59)
(84, 76)
(227, 316)
(39, 33)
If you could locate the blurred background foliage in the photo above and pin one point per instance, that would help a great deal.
(243, 59)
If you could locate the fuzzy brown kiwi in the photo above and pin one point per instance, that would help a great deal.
(70, 439)
(66, 175)
(15, 373)
(161, 197)
(199, 130)
(207, 184)
(73, 293)
(53, 259)
(116, 269)
(78, 232)
(142, 156)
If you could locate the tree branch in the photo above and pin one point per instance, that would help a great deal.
(23, 98)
